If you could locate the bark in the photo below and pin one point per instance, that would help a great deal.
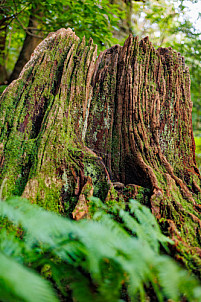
(3, 73)
(140, 123)
(71, 128)
(30, 43)
(3, 33)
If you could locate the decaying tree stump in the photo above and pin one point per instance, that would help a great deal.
(72, 127)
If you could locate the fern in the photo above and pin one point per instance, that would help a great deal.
(141, 223)
(17, 283)
(93, 258)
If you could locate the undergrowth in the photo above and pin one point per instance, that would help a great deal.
(114, 256)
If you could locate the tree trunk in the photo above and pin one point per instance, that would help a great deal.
(3, 73)
(30, 43)
(71, 128)
(3, 33)
(125, 24)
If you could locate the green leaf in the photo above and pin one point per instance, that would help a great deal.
(17, 283)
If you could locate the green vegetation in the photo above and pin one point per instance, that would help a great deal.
(119, 254)
(198, 151)
(87, 18)
(113, 255)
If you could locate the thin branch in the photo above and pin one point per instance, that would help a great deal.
(27, 31)
(11, 18)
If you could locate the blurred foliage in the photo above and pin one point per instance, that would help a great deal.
(2, 87)
(198, 151)
(115, 255)
(95, 19)
(198, 144)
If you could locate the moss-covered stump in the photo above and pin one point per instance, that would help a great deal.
(140, 123)
(71, 128)
(43, 119)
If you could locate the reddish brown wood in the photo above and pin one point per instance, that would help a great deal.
(140, 123)
(70, 127)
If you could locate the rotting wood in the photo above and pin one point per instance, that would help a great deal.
(125, 118)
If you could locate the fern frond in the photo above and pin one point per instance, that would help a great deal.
(149, 228)
(100, 255)
(10, 245)
(174, 280)
(17, 283)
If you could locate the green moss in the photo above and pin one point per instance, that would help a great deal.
(48, 196)
(143, 196)
(94, 169)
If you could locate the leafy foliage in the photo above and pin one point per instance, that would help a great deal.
(12, 275)
(96, 259)
(95, 19)
(167, 24)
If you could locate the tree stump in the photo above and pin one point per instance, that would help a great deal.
(72, 127)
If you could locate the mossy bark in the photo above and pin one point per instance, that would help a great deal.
(140, 123)
(71, 128)
(43, 117)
